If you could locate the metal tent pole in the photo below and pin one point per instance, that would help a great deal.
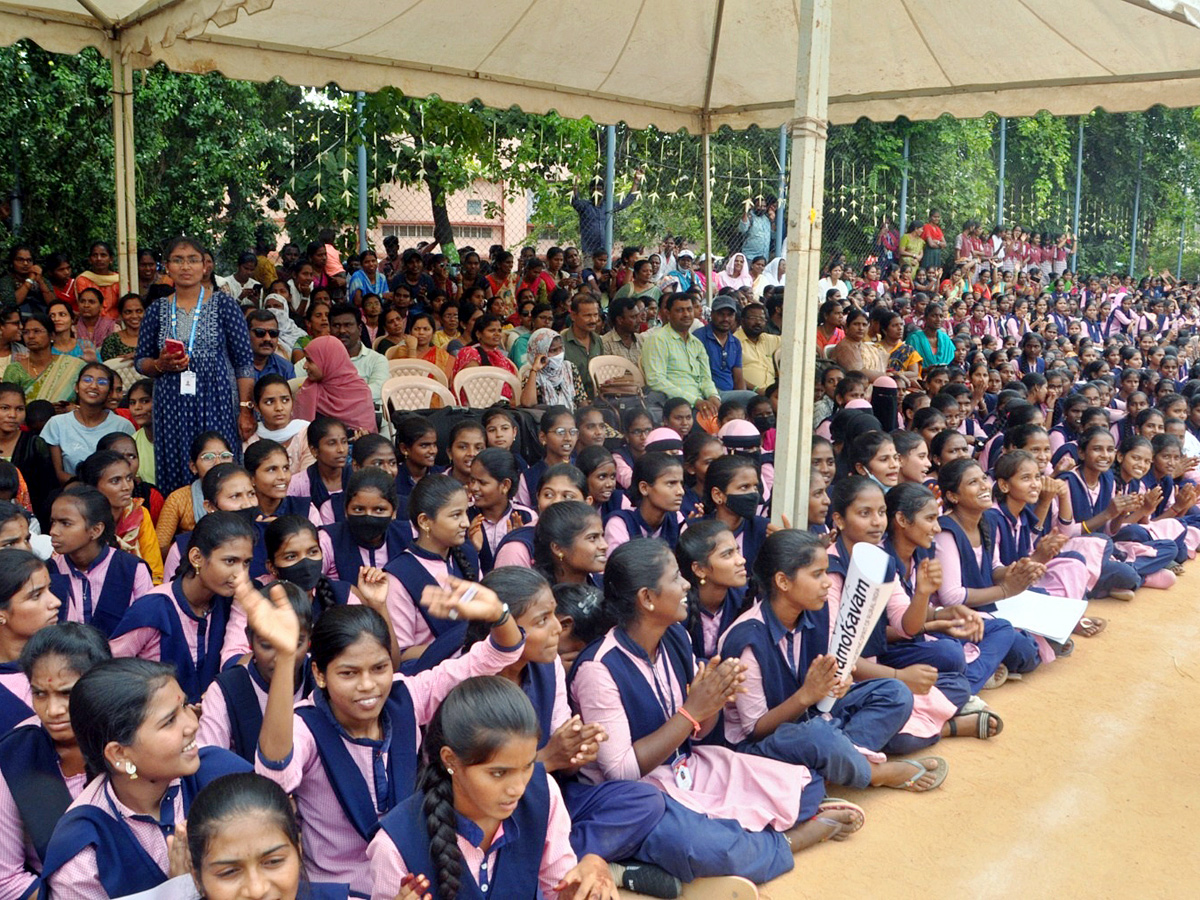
(360, 102)
(1078, 191)
(781, 193)
(1000, 188)
(610, 177)
(706, 161)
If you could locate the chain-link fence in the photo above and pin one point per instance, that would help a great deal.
(865, 192)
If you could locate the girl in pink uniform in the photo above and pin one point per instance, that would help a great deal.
(642, 683)
(349, 754)
(27, 605)
(41, 766)
(480, 775)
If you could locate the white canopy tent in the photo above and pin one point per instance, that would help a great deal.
(695, 64)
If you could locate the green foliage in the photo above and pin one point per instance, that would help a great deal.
(202, 146)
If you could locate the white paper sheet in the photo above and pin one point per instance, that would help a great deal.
(1051, 617)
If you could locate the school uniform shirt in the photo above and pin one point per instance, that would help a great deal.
(92, 597)
(516, 549)
(758, 792)
(625, 525)
(495, 532)
(399, 535)
(201, 637)
(409, 621)
(216, 726)
(16, 697)
(388, 866)
(79, 877)
(333, 849)
(20, 860)
(308, 483)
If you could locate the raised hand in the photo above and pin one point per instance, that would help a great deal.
(463, 600)
(372, 588)
(589, 880)
(1048, 547)
(272, 618)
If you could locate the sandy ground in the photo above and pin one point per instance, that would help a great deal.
(1091, 791)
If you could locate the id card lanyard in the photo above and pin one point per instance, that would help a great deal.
(187, 379)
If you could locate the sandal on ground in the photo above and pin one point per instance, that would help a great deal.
(1177, 568)
(833, 804)
(998, 678)
(983, 726)
(1062, 651)
(1090, 626)
(939, 770)
(1125, 595)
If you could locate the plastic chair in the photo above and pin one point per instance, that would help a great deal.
(409, 392)
(418, 368)
(606, 368)
(481, 386)
(508, 338)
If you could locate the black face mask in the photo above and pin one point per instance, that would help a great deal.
(744, 505)
(249, 515)
(304, 574)
(764, 423)
(368, 530)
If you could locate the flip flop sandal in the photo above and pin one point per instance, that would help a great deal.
(1094, 625)
(998, 678)
(1062, 651)
(983, 726)
(939, 771)
(833, 804)
(1120, 595)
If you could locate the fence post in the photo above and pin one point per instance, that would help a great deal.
(360, 102)
(1137, 208)
(1179, 262)
(706, 161)
(1078, 189)
(1000, 188)
(610, 177)
(781, 206)
(904, 191)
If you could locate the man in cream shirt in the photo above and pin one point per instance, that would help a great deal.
(758, 348)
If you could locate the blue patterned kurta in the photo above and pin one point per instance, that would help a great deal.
(220, 356)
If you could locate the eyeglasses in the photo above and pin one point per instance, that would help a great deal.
(224, 457)
(640, 432)
(265, 332)
(564, 432)
(186, 260)
(91, 379)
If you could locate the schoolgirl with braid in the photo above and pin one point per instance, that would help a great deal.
(479, 775)
(437, 509)
(348, 755)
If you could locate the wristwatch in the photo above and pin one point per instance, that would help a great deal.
(247, 404)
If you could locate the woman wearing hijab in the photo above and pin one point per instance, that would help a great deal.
(334, 388)
(289, 331)
(551, 380)
(736, 273)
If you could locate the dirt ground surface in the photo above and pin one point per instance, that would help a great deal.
(1091, 791)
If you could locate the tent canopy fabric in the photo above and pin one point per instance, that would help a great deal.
(695, 64)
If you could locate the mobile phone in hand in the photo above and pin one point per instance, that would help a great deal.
(174, 347)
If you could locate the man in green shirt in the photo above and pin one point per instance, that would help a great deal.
(675, 362)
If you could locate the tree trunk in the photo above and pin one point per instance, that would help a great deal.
(443, 231)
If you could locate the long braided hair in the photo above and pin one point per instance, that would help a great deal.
(476, 719)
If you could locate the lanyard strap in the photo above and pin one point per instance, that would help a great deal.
(195, 319)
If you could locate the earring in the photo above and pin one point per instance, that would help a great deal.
(131, 770)
(703, 579)
(650, 607)
(197, 569)
(449, 771)
(559, 554)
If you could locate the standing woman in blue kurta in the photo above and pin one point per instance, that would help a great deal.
(199, 389)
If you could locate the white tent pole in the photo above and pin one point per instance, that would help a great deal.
(797, 376)
(119, 181)
(129, 261)
(708, 248)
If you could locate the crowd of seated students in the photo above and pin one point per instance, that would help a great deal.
(557, 644)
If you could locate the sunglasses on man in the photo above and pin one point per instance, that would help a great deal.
(265, 332)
